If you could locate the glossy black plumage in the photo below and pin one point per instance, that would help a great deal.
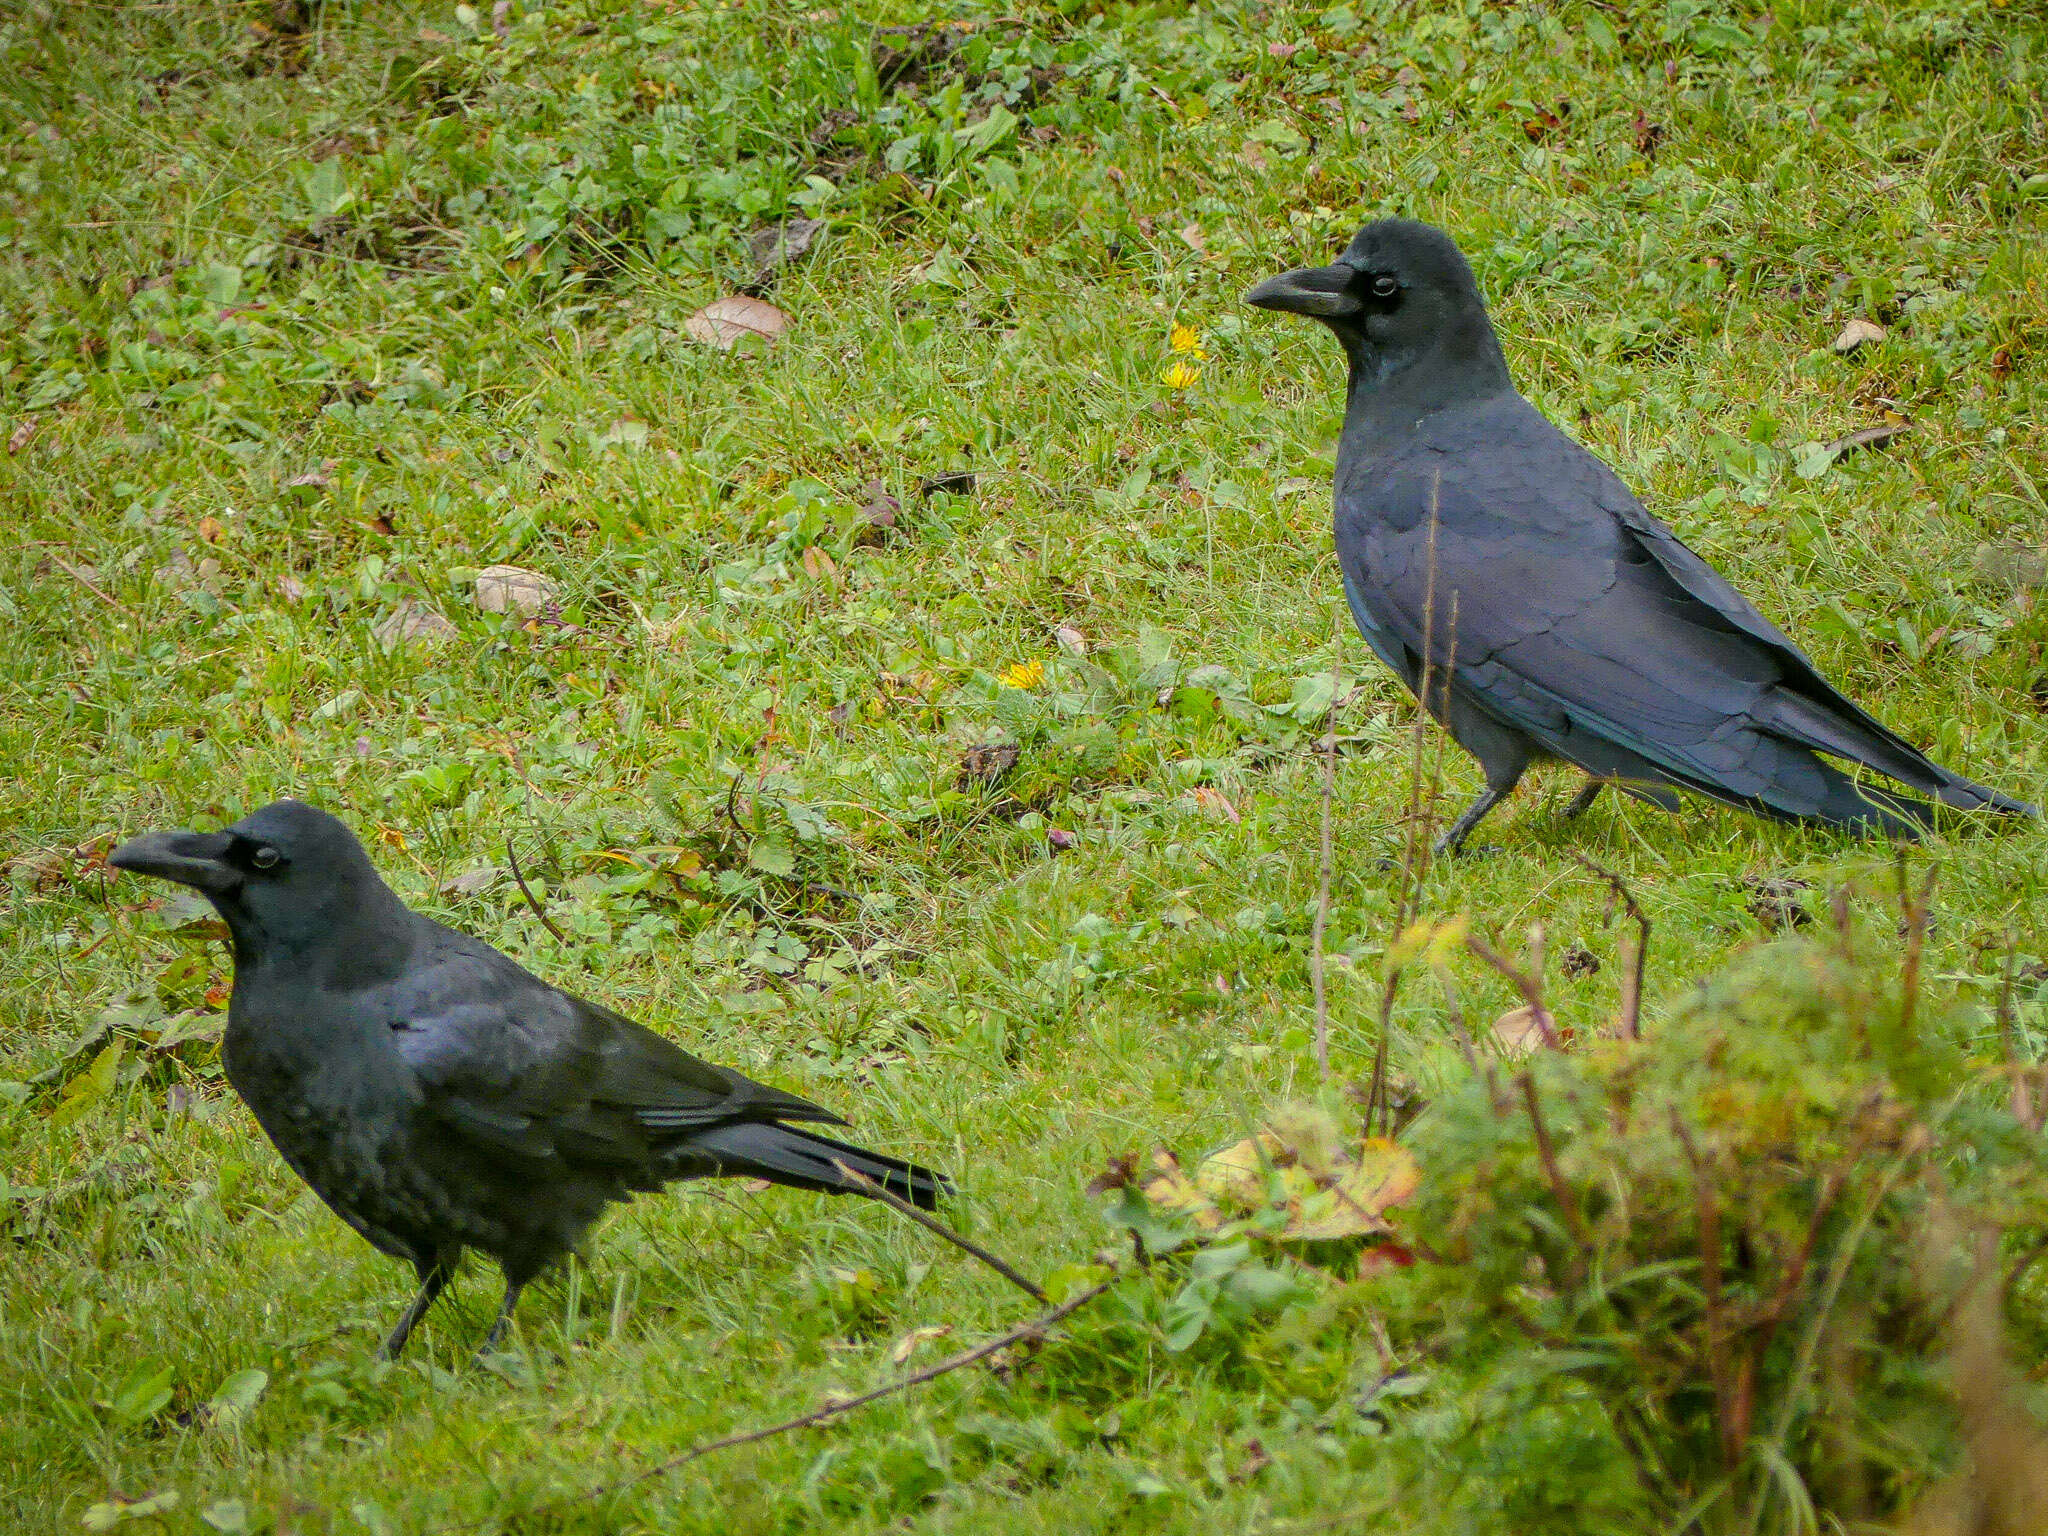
(440, 1097)
(1555, 616)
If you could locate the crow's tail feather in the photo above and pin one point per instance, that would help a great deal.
(782, 1154)
(1839, 728)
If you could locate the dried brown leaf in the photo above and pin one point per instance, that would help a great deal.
(725, 323)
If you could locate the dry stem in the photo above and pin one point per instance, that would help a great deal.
(931, 1223)
(546, 921)
(1035, 1329)
(1632, 971)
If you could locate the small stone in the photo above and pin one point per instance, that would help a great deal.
(473, 881)
(1071, 640)
(513, 589)
(412, 623)
(2015, 567)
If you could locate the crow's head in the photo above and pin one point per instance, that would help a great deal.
(285, 876)
(1400, 293)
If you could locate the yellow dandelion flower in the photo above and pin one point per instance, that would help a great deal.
(1181, 375)
(1023, 674)
(1187, 340)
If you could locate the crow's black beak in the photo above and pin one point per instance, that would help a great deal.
(1324, 292)
(197, 859)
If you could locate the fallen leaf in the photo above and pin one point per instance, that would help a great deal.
(725, 323)
(1775, 901)
(210, 529)
(501, 18)
(1580, 961)
(312, 477)
(1217, 804)
(1193, 237)
(1869, 437)
(988, 763)
(877, 520)
(1546, 122)
(1383, 1258)
(906, 1346)
(513, 589)
(1120, 1172)
(1855, 334)
(959, 482)
(1328, 1188)
(18, 439)
(1070, 640)
(1517, 1033)
(1256, 1460)
(817, 564)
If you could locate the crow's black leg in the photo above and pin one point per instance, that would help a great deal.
(497, 1334)
(1583, 800)
(1461, 829)
(432, 1281)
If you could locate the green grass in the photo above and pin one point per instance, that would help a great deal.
(446, 275)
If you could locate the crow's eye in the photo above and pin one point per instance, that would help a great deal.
(1385, 287)
(264, 858)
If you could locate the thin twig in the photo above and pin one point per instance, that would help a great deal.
(1632, 972)
(1709, 1221)
(2008, 1030)
(1035, 1329)
(1456, 1008)
(87, 582)
(1916, 913)
(1529, 986)
(526, 891)
(931, 1223)
(1378, 1119)
(1547, 1154)
(2021, 1265)
(1324, 855)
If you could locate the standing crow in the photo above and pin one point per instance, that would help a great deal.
(1501, 569)
(438, 1096)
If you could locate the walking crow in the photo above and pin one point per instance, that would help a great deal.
(438, 1096)
(1533, 605)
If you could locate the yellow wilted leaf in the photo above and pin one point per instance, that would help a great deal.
(1428, 941)
(1345, 1200)
(1327, 1185)
(1169, 1189)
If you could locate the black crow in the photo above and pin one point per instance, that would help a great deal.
(1503, 571)
(438, 1096)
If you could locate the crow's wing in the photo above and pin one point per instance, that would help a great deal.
(505, 1059)
(1575, 616)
